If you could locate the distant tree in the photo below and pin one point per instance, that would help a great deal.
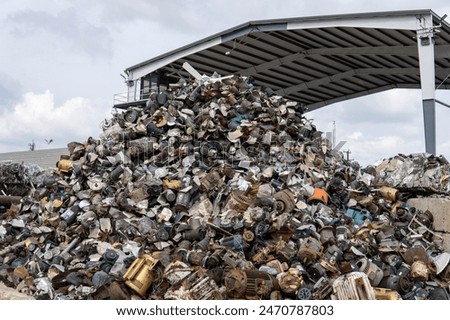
(32, 145)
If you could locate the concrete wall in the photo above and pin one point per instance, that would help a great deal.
(7, 293)
(440, 209)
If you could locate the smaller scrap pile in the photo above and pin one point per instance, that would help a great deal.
(16, 179)
(218, 190)
(417, 173)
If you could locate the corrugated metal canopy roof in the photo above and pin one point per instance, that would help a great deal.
(317, 60)
(45, 158)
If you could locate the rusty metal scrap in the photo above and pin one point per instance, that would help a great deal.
(220, 190)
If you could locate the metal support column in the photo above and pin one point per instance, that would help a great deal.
(425, 44)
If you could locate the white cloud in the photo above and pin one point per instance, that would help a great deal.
(36, 117)
(370, 149)
(355, 135)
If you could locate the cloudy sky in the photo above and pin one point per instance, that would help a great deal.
(60, 65)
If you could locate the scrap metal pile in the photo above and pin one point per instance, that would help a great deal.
(218, 190)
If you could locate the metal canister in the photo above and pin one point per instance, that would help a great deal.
(203, 244)
(170, 195)
(388, 193)
(115, 174)
(197, 258)
(182, 202)
(195, 222)
(194, 235)
(70, 215)
(181, 250)
(397, 283)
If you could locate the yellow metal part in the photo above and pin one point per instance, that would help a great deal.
(139, 275)
(388, 193)
(386, 294)
(64, 165)
(172, 184)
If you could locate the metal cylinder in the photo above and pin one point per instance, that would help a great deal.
(181, 251)
(404, 214)
(203, 244)
(388, 193)
(194, 235)
(195, 222)
(182, 202)
(115, 174)
(70, 215)
(110, 256)
(170, 195)
(13, 247)
(197, 258)
(8, 200)
(397, 283)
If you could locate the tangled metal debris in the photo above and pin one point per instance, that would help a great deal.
(223, 190)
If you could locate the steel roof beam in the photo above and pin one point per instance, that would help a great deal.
(394, 50)
(347, 74)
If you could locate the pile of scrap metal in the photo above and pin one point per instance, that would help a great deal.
(221, 190)
(16, 179)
